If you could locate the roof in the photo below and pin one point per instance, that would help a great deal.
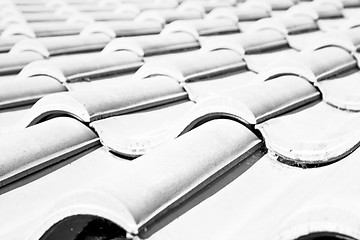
(163, 119)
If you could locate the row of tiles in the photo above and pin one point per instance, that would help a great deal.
(226, 142)
(113, 187)
(177, 162)
(203, 176)
(157, 84)
(126, 55)
(51, 73)
(151, 22)
(122, 57)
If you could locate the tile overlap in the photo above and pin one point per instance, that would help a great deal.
(210, 117)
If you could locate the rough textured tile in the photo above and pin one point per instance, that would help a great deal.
(7, 43)
(41, 146)
(203, 27)
(11, 63)
(51, 46)
(309, 201)
(18, 92)
(187, 69)
(318, 134)
(169, 15)
(154, 44)
(258, 62)
(124, 28)
(342, 91)
(310, 65)
(51, 29)
(136, 133)
(111, 101)
(269, 99)
(191, 114)
(199, 170)
(222, 83)
(80, 68)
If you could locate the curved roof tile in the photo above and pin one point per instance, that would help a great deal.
(83, 67)
(111, 101)
(186, 68)
(306, 138)
(42, 145)
(154, 44)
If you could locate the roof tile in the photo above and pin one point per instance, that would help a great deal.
(274, 97)
(111, 16)
(112, 101)
(350, 3)
(44, 17)
(201, 109)
(310, 202)
(341, 91)
(279, 4)
(203, 27)
(18, 92)
(14, 62)
(51, 46)
(44, 144)
(94, 65)
(208, 6)
(309, 64)
(244, 12)
(183, 175)
(51, 29)
(186, 69)
(124, 28)
(260, 61)
(136, 133)
(17, 29)
(154, 44)
(306, 138)
(217, 85)
(169, 15)
(6, 43)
